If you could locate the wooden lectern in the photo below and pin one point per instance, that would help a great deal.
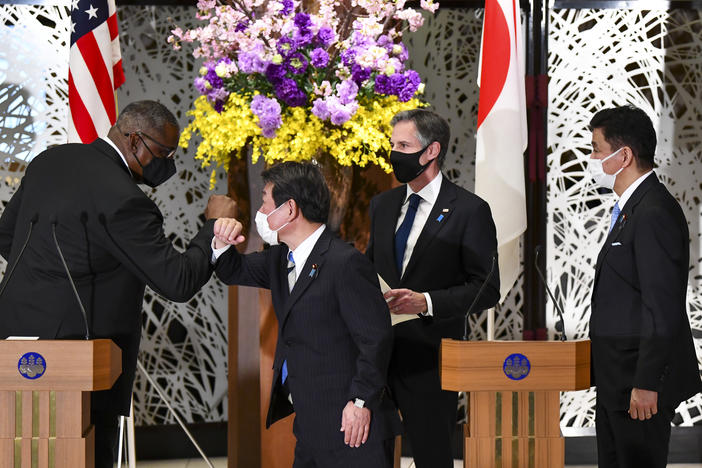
(45, 390)
(514, 401)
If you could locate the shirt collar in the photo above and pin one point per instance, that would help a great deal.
(630, 189)
(304, 250)
(112, 144)
(429, 192)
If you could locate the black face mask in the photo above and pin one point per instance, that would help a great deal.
(406, 165)
(157, 171)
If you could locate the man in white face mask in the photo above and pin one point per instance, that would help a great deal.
(334, 334)
(643, 357)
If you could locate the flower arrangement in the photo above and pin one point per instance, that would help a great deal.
(297, 81)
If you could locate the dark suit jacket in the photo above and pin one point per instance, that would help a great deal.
(638, 325)
(112, 238)
(334, 331)
(450, 261)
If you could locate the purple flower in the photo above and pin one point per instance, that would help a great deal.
(287, 91)
(302, 21)
(319, 108)
(286, 46)
(275, 73)
(320, 58)
(412, 81)
(296, 63)
(241, 25)
(382, 84)
(348, 57)
(325, 36)
(359, 74)
(219, 106)
(201, 84)
(347, 91)
(385, 41)
(212, 77)
(250, 62)
(287, 7)
(268, 112)
(303, 36)
(397, 82)
(404, 54)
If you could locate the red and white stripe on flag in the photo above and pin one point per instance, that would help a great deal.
(502, 131)
(94, 71)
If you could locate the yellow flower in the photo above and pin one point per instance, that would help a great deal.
(363, 140)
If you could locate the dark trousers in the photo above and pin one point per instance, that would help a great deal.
(106, 437)
(368, 455)
(429, 419)
(623, 442)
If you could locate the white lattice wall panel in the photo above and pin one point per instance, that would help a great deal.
(33, 71)
(598, 59)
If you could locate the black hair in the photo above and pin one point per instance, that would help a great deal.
(628, 126)
(302, 182)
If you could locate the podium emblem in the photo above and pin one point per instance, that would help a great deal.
(31, 366)
(516, 366)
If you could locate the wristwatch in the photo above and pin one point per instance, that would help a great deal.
(358, 403)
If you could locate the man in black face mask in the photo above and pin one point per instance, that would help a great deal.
(111, 236)
(432, 242)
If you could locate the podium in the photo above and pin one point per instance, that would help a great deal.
(514, 400)
(45, 390)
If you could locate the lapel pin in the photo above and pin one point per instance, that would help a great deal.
(313, 271)
(445, 210)
(440, 218)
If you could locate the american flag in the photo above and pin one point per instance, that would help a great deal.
(94, 70)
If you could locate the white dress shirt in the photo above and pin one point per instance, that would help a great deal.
(304, 250)
(112, 144)
(630, 189)
(428, 196)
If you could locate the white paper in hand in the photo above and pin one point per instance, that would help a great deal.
(394, 318)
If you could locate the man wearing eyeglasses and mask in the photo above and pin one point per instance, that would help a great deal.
(643, 357)
(82, 201)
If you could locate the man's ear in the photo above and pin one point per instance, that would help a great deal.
(433, 150)
(629, 156)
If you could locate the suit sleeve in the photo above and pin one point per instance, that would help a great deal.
(135, 229)
(661, 249)
(7, 222)
(478, 243)
(366, 315)
(245, 270)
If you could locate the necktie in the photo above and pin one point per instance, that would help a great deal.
(291, 271)
(403, 231)
(291, 283)
(615, 215)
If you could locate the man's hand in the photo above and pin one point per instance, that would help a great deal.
(406, 301)
(221, 206)
(355, 423)
(227, 231)
(643, 404)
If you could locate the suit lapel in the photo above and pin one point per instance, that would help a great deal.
(624, 218)
(309, 272)
(438, 217)
(387, 221)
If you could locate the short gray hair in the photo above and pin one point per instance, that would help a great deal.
(430, 127)
(146, 115)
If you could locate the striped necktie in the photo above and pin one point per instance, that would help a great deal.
(615, 216)
(291, 282)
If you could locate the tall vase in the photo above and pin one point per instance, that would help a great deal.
(339, 179)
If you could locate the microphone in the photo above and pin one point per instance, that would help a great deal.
(32, 222)
(477, 296)
(54, 222)
(560, 324)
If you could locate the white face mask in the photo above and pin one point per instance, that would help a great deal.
(597, 172)
(268, 235)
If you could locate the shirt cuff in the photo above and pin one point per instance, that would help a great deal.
(217, 252)
(430, 309)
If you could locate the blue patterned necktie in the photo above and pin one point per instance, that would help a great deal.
(291, 283)
(403, 231)
(615, 216)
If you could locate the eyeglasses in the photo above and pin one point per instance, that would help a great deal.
(170, 151)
